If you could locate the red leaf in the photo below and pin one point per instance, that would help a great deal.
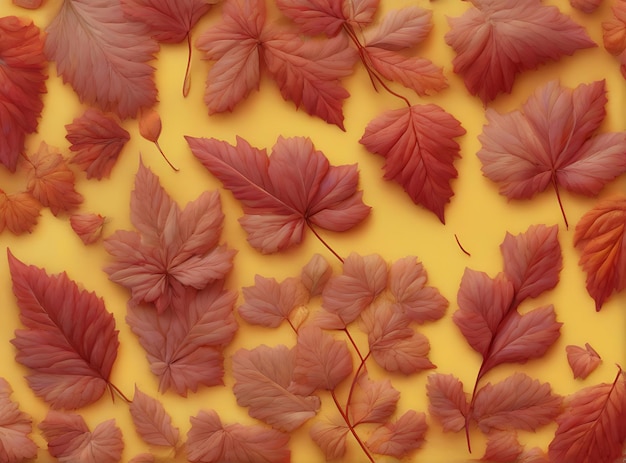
(321, 361)
(184, 345)
(502, 447)
(315, 17)
(614, 30)
(508, 37)
(552, 142)
(103, 56)
(209, 441)
(582, 361)
(330, 436)
(586, 6)
(518, 402)
(400, 29)
(532, 261)
(15, 426)
(293, 188)
(269, 303)
(152, 422)
(315, 274)
(22, 82)
(264, 383)
(88, 227)
(401, 437)
(599, 237)
(18, 212)
(407, 285)
(70, 440)
(51, 181)
(418, 145)
(534, 455)
(173, 249)
(593, 427)
(372, 401)
(448, 402)
(347, 295)
(70, 341)
(97, 141)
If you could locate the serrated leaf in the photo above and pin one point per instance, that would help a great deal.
(448, 402)
(152, 422)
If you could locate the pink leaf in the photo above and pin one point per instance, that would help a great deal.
(103, 56)
(15, 426)
(70, 440)
(88, 227)
(448, 402)
(419, 147)
(400, 29)
(496, 40)
(152, 422)
(517, 402)
(372, 401)
(315, 17)
(502, 447)
(315, 274)
(399, 438)
(264, 383)
(582, 361)
(97, 141)
(70, 341)
(293, 188)
(18, 212)
(360, 13)
(321, 361)
(22, 83)
(330, 436)
(209, 441)
(586, 6)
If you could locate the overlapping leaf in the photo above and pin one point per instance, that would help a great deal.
(151, 421)
(295, 187)
(419, 147)
(15, 427)
(448, 402)
(22, 83)
(614, 33)
(70, 342)
(497, 39)
(400, 437)
(88, 227)
(18, 212)
(372, 401)
(502, 447)
(582, 361)
(330, 436)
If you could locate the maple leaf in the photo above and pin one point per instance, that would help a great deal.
(269, 303)
(15, 426)
(400, 437)
(264, 382)
(103, 56)
(599, 237)
(97, 141)
(209, 441)
(51, 181)
(281, 194)
(418, 145)
(509, 37)
(151, 421)
(517, 402)
(18, 212)
(184, 345)
(315, 274)
(88, 227)
(173, 248)
(593, 426)
(22, 83)
(552, 142)
(372, 401)
(70, 440)
(582, 361)
(330, 436)
(448, 402)
(70, 341)
(502, 447)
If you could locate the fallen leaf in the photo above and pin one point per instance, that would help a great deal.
(315, 274)
(372, 401)
(502, 447)
(315, 17)
(15, 426)
(586, 6)
(88, 227)
(151, 421)
(399, 438)
(399, 29)
(582, 361)
(330, 437)
(448, 402)
(18, 212)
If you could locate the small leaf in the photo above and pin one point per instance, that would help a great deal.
(88, 227)
(18, 212)
(399, 438)
(152, 422)
(315, 274)
(330, 436)
(15, 426)
(372, 401)
(449, 404)
(400, 29)
(586, 6)
(315, 17)
(502, 447)
(582, 361)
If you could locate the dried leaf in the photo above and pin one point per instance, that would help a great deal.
(419, 147)
(372, 401)
(449, 404)
(15, 426)
(399, 438)
(502, 447)
(152, 422)
(70, 341)
(582, 361)
(315, 274)
(88, 227)
(330, 436)
(18, 212)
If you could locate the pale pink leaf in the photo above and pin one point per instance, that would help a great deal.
(582, 361)
(586, 6)
(400, 29)
(264, 383)
(399, 438)
(88, 227)
(18, 212)
(268, 303)
(448, 403)
(360, 13)
(152, 422)
(15, 426)
(330, 436)
(502, 447)
(372, 401)
(315, 274)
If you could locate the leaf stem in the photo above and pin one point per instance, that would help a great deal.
(461, 246)
(352, 430)
(356, 348)
(164, 157)
(324, 242)
(187, 81)
(558, 197)
(118, 391)
(354, 381)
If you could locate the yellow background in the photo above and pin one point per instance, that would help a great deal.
(397, 227)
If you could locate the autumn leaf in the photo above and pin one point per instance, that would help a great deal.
(507, 37)
(399, 438)
(15, 426)
(315, 17)
(582, 361)
(586, 6)
(51, 181)
(552, 142)
(372, 401)
(30, 4)
(173, 248)
(400, 29)
(593, 426)
(502, 447)
(295, 187)
(103, 55)
(209, 441)
(184, 345)
(22, 83)
(448, 402)
(599, 238)
(419, 148)
(70, 440)
(315, 274)
(70, 341)
(330, 436)
(18, 212)
(151, 421)
(614, 33)
(264, 382)
(97, 141)
(88, 227)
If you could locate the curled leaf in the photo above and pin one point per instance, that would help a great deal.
(88, 227)
(315, 274)
(582, 361)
